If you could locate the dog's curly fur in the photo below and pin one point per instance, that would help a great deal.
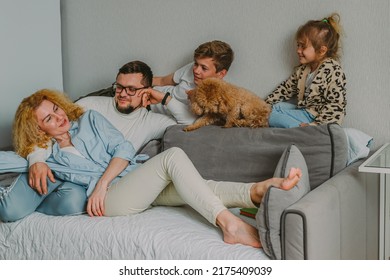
(218, 102)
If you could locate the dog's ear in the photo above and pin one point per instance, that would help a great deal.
(209, 86)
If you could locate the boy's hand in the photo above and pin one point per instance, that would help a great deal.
(152, 96)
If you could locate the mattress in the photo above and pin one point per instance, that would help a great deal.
(161, 233)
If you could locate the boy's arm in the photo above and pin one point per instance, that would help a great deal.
(180, 111)
(164, 80)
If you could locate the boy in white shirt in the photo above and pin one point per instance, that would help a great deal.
(211, 60)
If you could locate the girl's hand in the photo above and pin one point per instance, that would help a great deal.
(308, 124)
(95, 206)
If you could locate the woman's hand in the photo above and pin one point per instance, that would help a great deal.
(95, 206)
(37, 177)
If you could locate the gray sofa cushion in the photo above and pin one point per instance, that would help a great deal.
(241, 154)
(102, 92)
(276, 200)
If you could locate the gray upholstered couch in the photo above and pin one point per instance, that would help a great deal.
(329, 222)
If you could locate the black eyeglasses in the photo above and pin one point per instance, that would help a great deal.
(131, 91)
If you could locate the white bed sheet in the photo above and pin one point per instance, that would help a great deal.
(158, 233)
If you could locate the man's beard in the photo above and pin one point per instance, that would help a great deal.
(126, 110)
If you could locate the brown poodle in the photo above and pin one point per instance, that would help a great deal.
(218, 102)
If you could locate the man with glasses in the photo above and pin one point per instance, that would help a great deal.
(126, 111)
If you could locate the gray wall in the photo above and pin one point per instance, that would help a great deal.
(99, 36)
(30, 54)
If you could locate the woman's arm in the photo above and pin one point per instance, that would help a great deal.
(111, 138)
(95, 206)
(39, 171)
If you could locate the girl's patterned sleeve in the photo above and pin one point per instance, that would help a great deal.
(285, 91)
(334, 93)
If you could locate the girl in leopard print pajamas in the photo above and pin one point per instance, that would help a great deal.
(318, 82)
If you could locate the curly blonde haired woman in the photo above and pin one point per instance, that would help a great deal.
(26, 132)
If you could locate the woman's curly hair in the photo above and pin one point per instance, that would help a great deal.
(26, 132)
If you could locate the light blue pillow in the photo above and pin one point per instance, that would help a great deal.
(276, 200)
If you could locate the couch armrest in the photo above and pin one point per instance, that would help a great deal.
(330, 221)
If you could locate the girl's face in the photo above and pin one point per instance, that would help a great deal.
(52, 119)
(307, 54)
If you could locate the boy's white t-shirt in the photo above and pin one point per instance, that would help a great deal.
(184, 79)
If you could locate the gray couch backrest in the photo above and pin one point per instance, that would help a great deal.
(249, 155)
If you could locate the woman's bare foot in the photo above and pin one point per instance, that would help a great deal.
(259, 189)
(236, 231)
(292, 179)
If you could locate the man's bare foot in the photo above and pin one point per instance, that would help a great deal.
(259, 189)
(236, 231)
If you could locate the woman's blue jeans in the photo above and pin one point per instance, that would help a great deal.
(19, 199)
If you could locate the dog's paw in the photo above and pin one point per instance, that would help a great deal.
(189, 128)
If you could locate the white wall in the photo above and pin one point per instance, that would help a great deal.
(30, 56)
(99, 36)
